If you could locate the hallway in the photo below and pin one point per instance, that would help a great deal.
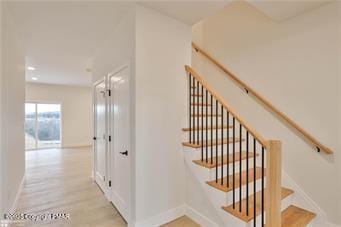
(59, 181)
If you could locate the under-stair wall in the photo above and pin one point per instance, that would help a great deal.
(12, 89)
(280, 61)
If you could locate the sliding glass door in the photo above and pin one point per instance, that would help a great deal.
(42, 125)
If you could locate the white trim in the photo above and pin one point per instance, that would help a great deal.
(199, 218)
(36, 103)
(163, 218)
(15, 203)
(173, 214)
(76, 146)
(303, 200)
(332, 225)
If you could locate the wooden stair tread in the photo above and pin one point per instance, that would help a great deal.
(294, 216)
(212, 164)
(206, 115)
(242, 215)
(197, 95)
(224, 187)
(206, 128)
(211, 143)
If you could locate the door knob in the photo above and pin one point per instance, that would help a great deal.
(124, 153)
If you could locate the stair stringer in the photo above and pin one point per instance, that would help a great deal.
(301, 199)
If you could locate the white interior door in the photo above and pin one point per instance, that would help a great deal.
(100, 134)
(120, 146)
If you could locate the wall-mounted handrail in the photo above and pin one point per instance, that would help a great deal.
(319, 146)
(200, 79)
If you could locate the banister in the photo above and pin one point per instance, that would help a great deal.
(319, 146)
(199, 78)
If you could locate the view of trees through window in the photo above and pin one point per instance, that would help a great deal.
(42, 125)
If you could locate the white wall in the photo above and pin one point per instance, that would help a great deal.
(12, 112)
(339, 108)
(76, 103)
(162, 50)
(295, 65)
(1, 151)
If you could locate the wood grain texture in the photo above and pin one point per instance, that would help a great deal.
(265, 102)
(273, 183)
(182, 222)
(59, 181)
(220, 99)
(206, 128)
(243, 215)
(211, 142)
(296, 217)
(226, 188)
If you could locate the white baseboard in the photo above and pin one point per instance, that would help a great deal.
(173, 214)
(76, 146)
(199, 218)
(163, 218)
(16, 200)
(332, 225)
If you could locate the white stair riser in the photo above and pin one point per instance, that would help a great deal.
(209, 137)
(196, 154)
(285, 204)
(237, 168)
(220, 198)
(229, 196)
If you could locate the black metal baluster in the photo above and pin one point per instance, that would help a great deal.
(202, 123)
(198, 93)
(254, 184)
(211, 128)
(206, 125)
(228, 149)
(247, 173)
(222, 145)
(194, 112)
(240, 166)
(263, 186)
(190, 107)
(216, 141)
(234, 163)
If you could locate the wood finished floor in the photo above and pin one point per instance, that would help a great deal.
(59, 181)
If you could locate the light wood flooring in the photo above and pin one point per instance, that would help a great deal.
(59, 181)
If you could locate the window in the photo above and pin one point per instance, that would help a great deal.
(42, 125)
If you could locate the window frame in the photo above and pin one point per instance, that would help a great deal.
(36, 103)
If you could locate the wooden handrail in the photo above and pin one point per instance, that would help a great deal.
(203, 82)
(319, 146)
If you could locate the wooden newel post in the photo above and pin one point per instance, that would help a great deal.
(273, 183)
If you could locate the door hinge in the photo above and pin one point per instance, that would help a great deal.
(94, 138)
(109, 138)
(110, 183)
(109, 92)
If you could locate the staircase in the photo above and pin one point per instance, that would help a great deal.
(239, 170)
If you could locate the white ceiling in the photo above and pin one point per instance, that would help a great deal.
(280, 10)
(189, 12)
(60, 38)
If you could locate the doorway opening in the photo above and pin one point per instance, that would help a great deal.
(42, 125)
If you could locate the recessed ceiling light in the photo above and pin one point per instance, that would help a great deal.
(31, 68)
(34, 78)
